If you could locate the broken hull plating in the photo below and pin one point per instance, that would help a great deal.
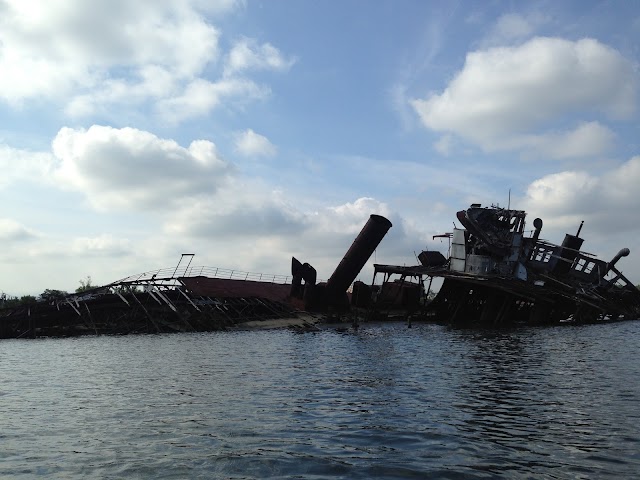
(495, 275)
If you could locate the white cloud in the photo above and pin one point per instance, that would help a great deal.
(133, 169)
(201, 204)
(218, 7)
(12, 231)
(587, 139)
(104, 246)
(200, 96)
(608, 202)
(260, 230)
(150, 81)
(61, 46)
(254, 212)
(24, 165)
(512, 27)
(246, 54)
(510, 98)
(94, 56)
(400, 103)
(238, 208)
(252, 144)
(351, 217)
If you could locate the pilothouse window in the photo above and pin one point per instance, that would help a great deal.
(584, 265)
(542, 254)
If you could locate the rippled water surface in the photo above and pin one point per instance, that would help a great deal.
(383, 402)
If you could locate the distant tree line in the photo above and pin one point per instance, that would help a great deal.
(49, 295)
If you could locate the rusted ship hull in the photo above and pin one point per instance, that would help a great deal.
(496, 275)
(188, 298)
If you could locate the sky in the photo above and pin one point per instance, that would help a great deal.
(248, 132)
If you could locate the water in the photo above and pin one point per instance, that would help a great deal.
(384, 402)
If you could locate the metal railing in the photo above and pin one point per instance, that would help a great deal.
(165, 274)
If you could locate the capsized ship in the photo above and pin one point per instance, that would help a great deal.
(496, 274)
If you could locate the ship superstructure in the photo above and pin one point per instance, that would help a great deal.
(497, 274)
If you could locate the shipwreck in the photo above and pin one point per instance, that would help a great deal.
(495, 274)
(190, 298)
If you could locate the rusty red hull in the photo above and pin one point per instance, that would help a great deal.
(227, 288)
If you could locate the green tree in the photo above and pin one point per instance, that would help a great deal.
(11, 302)
(49, 295)
(23, 300)
(85, 285)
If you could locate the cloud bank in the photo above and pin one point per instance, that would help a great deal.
(528, 97)
(132, 169)
(93, 56)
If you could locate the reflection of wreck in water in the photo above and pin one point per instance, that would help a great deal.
(495, 275)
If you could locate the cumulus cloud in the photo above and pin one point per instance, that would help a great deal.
(252, 144)
(254, 212)
(103, 246)
(510, 98)
(130, 168)
(204, 206)
(22, 164)
(254, 221)
(12, 231)
(351, 217)
(92, 56)
(586, 139)
(246, 54)
(150, 81)
(247, 209)
(332, 230)
(57, 46)
(607, 202)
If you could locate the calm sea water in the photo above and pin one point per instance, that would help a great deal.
(383, 402)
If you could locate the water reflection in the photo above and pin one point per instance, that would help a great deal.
(536, 399)
(381, 402)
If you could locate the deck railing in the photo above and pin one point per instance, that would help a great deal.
(167, 274)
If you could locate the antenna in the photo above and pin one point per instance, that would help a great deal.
(509, 203)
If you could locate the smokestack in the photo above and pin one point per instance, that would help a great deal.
(537, 223)
(363, 246)
(622, 253)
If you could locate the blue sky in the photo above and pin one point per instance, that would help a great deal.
(248, 132)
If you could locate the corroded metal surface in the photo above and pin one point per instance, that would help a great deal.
(497, 275)
(225, 288)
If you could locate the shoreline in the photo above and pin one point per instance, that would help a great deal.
(302, 320)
